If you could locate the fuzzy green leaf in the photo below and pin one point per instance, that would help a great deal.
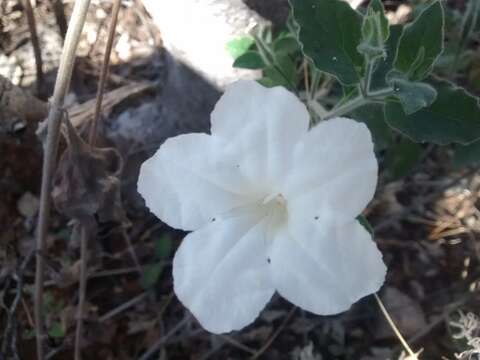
(454, 117)
(375, 32)
(421, 43)
(413, 95)
(377, 6)
(379, 79)
(330, 31)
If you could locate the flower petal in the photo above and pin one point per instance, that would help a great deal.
(221, 272)
(188, 181)
(335, 170)
(264, 124)
(325, 268)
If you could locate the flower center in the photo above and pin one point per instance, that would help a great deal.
(275, 206)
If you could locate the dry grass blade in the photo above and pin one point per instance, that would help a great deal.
(411, 354)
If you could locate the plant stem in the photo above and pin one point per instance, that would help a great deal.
(59, 12)
(54, 120)
(347, 107)
(394, 328)
(359, 101)
(380, 93)
(86, 234)
(104, 73)
(35, 44)
(82, 289)
(368, 82)
(472, 10)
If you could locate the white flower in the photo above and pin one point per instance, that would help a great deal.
(272, 207)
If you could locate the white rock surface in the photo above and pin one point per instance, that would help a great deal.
(196, 33)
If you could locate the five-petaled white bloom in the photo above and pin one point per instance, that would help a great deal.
(271, 206)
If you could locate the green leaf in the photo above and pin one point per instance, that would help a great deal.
(373, 116)
(413, 95)
(402, 157)
(467, 155)
(286, 45)
(375, 32)
(364, 222)
(283, 73)
(249, 60)
(330, 31)
(163, 247)
(454, 117)
(287, 67)
(239, 46)
(151, 273)
(379, 79)
(56, 330)
(421, 43)
(377, 6)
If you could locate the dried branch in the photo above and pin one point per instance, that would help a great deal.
(9, 337)
(35, 44)
(411, 354)
(54, 119)
(104, 73)
(86, 233)
(59, 12)
(156, 346)
(20, 103)
(82, 114)
(92, 137)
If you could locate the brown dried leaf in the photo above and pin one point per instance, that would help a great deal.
(86, 182)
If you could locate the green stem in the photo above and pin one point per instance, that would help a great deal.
(347, 107)
(382, 93)
(369, 75)
(359, 101)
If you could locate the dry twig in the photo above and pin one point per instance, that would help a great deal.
(54, 119)
(60, 17)
(35, 44)
(412, 355)
(92, 139)
(155, 347)
(104, 73)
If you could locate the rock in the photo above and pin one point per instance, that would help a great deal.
(275, 11)
(196, 32)
(28, 205)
